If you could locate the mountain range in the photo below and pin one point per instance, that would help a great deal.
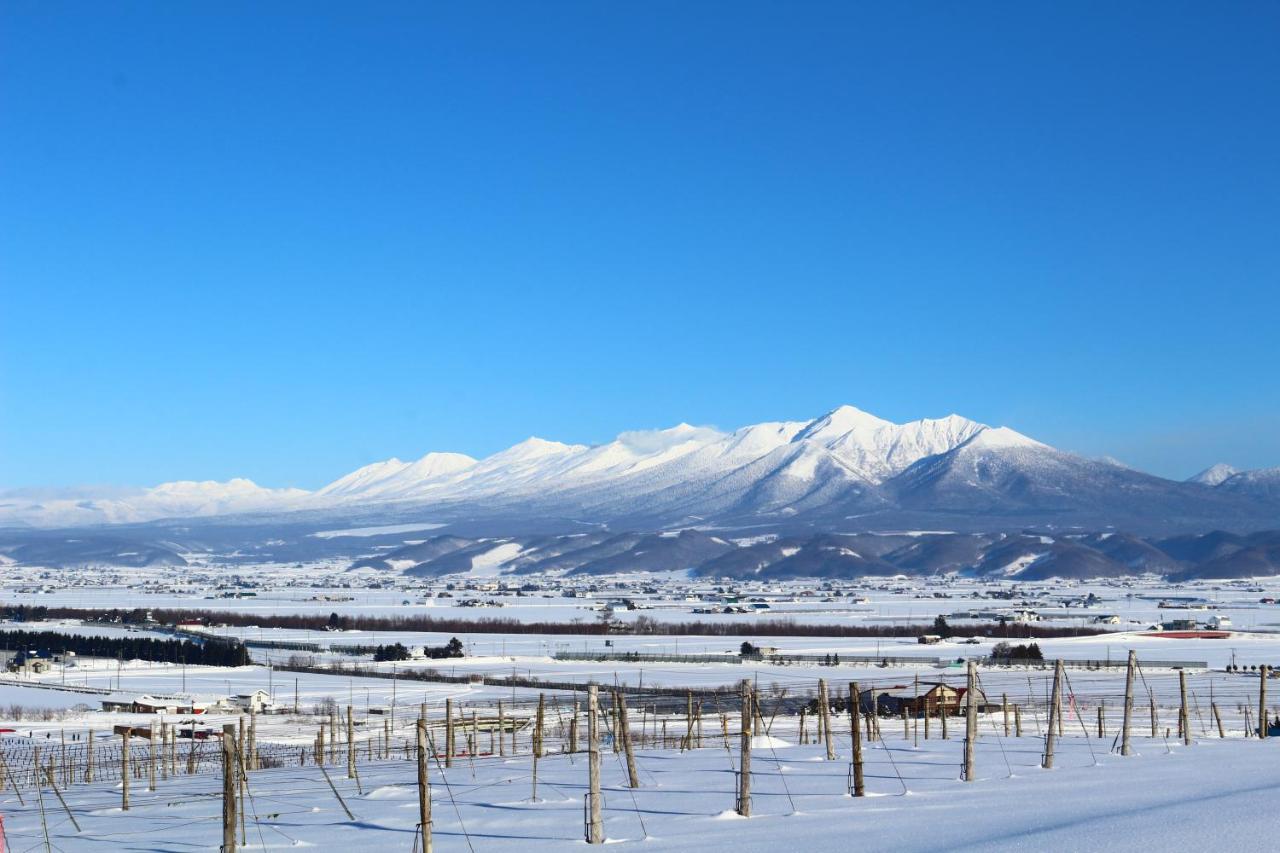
(846, 471)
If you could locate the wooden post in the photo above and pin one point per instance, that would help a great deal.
(1218, 718)
(595, 820)
(333, 736)
(1262, 700)
(320, 746)
(253, 740)
(633, 776)
(855, 737)
(502, 730)
(1155, 725)
(88, 770)
(942, 714)
(1130, 673)
(124, 770)
(971, 721)
(573, 727)
(538, 723)
(825, 710)
(1184, 720)
(744, 762)
(1101, 730)
(1017, 720)
(1055, 711)
(448, 732)
(151, 760)
(351, 745)
(228, 789)
(424, 788)
(1004, 706)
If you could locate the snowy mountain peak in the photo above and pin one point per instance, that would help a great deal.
(841, 421)
(1214, 475)
(1002, 438)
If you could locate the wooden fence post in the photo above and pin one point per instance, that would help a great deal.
(1130, 673)
(633, 777)
(1263, 671)
(124, 770)
(971, 720)
(351, 745)
(1055, 711)
(228, 789)
(744, 762)
(1184, 719)
(825, 710)
(424, 788)
(448, 732)
(855, 737)
(595, 819)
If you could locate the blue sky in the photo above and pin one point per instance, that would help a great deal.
(284, 240)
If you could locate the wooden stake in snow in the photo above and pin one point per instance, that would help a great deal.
(744, 762)
(632, 776)
(228, 789)
(1017, 721)
(824, 708)
(351, 745)
(1263, 672)
(448, 732)
(971, 720)
(88, 770)
(1184, 719)
(1004, 705)
(1130, 673)
(855, 736)
(595, 820)
(1055, 711)
(124, 770)
(424, 788)
(1218, 718)
(151, 760)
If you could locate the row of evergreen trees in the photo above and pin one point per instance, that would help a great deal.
(399, 651)
(127, 648)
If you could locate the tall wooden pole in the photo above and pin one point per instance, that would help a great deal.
(228, 789)
(448, 732)
(424, 788)
(971, 721)
(744, 763)
(824, 708)
(855, 735)
(595, 820)
(1184, 719)
(1263, 671)
(1055, 711)
(1130, 674)
(124, 771)
(633, 777)
(351, 745)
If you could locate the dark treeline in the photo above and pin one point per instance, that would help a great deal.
(644, 625)
(128, 648)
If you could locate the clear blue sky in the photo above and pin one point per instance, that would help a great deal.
(284, 240)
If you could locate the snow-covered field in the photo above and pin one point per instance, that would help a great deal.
(1214, 795)
(1167, 796)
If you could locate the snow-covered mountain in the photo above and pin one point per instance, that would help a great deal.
(845, 469)
(1214, 475)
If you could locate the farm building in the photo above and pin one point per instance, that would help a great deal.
(932, 696)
